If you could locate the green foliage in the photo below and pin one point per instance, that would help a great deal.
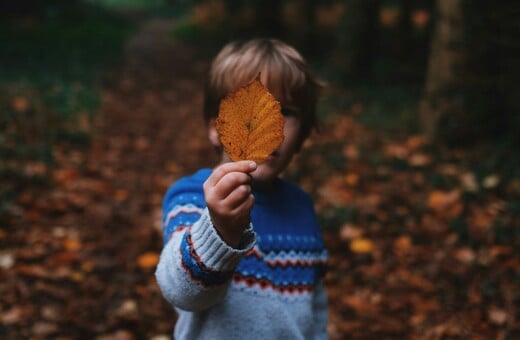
(128, 4)
(145, 8)
(57, 62)
(188, 31)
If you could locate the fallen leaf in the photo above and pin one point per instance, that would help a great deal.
(148, 260)
(491, 181)
(142, 144)
(497, 316)
(11, 316)
(33, 169)
(465, 255)
(7, 260)
(349, 232)
(389, 16)
(173, 167)
(351, 152)
(416, 142)
(402, 244)
(442, 200)
(362, 305)
(121, 195)
(71, 244)
(65, 176)
(419, 160)
(20, 104)
(41, 328)
(128, 309)
(420, 17)
(335, 191)
(469, 182)
(352, 179)
(394, 150)
(250, 123)
(361, 246)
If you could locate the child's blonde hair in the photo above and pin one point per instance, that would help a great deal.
(239, 62)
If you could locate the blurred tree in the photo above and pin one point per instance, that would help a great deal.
(268, 18)
(471, 86)
(441, 93)
(265, 19)
(405, 40)
(309, 33)
(492, 35)
(33, 8)
(357, 39)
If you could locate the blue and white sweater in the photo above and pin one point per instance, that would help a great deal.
(270, 288)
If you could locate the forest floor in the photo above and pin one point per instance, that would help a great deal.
(421, 247)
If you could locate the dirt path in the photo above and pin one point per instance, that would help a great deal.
(151, 132)
(151, 115)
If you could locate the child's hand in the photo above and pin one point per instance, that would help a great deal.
(229, 199)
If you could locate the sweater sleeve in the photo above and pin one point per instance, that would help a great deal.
(196, 265)
(319, 306)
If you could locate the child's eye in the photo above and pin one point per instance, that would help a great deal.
(289, 112)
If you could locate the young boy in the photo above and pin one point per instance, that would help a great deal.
(243, 255)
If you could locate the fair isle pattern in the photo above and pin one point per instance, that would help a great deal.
(282, 274)
(254, 283)
(287, 265)
(291, 258)
(291, 270)
(180, 216)
(256, 288)
(182, 209)
(198, 272)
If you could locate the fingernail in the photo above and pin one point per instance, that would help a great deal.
(252, 165)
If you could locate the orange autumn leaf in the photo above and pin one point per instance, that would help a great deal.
(361, 246)
(72, 244)
(442, 200)
(250, 123)
(148, 260)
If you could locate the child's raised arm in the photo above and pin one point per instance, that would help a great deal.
(229, 199)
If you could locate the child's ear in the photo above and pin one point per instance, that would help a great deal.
(213, 133)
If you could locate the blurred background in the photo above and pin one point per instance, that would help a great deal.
(415, 170)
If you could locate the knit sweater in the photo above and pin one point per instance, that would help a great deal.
(270, 287)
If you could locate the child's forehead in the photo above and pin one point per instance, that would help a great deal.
(274, 82)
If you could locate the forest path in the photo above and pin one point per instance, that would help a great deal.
(151, 116)
(151, 132)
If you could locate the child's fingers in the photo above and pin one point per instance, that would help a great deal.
(222, 170)
(246, 205)
(229, 183)
(238, 196)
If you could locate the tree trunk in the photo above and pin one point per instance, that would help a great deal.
(441, 95)
(405, 31)
(357, 40)
(268, 18)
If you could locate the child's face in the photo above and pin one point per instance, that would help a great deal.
(278, 161)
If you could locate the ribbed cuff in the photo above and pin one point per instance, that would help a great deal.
(213, 251)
